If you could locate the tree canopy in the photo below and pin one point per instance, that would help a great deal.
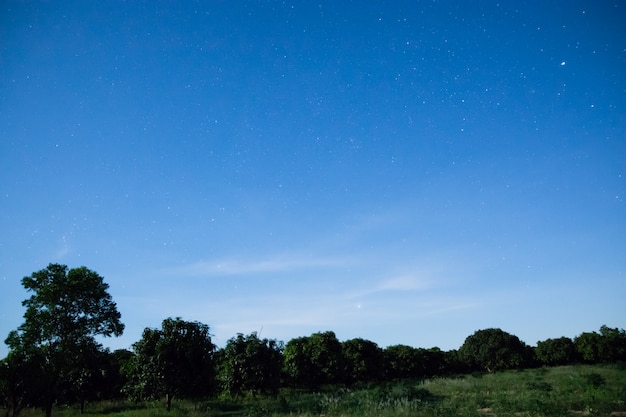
(54, 357)
(176, 360)
(552, 352)
(607, 346)
(363, 361)
(250, 364)
(494, 349)
(314, 361)
(67, 309)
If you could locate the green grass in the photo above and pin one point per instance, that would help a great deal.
(562, 391)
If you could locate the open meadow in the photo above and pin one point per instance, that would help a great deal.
(580, 390)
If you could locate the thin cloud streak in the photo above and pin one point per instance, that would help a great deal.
(282, 314)
(235, 267)
(337, 314)
(401, 283)
(356, 294)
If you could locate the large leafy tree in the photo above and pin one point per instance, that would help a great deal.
(401, 362)
(297, 363)
(613, 344)
(431, 362)
(67, 309)
(363, 361)
(494, 349)
(588, 346)
(607, 346)
(313, 361)
(327, 357)
(250, 364)
(552, 352)
(176, 360)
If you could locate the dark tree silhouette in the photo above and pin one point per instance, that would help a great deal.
(176, 360)
(494, 349)
(250, 364)
(67, 310)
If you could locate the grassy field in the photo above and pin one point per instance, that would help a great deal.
(561, 391)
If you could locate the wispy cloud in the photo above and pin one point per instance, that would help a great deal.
(275, 264)
(355, 293)
(285, 318)
(409, 282)
(63, 249)
(366, 307)
(416, 276)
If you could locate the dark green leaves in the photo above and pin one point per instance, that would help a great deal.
(68, 306)
(249, 364)
(65, 312)
(494, 349)
(176, 360)
(314, 361)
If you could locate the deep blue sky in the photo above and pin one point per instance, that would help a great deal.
(405, 172)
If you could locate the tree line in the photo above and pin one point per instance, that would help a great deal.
(54, 357)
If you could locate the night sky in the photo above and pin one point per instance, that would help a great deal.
(405, 172)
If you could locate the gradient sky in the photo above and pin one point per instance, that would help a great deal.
(406, 172)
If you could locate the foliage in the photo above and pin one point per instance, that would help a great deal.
(613, 346)
(453, 363)
(560, 391)
(494, 349)
(588, 346)
(431, 362)
(363, 361)
(313, 361)
(67, 310)
(552, 352)
(87, 375)
(177, 360)
(605, 347)
(20, 381)
(250, 364)
(116, 373)
(570, 390)
(54, 359)
(401, 362)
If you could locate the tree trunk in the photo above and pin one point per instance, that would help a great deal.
(49, 408)
(15, 406)
(49, 397)
(168, 397)
(15, 412)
